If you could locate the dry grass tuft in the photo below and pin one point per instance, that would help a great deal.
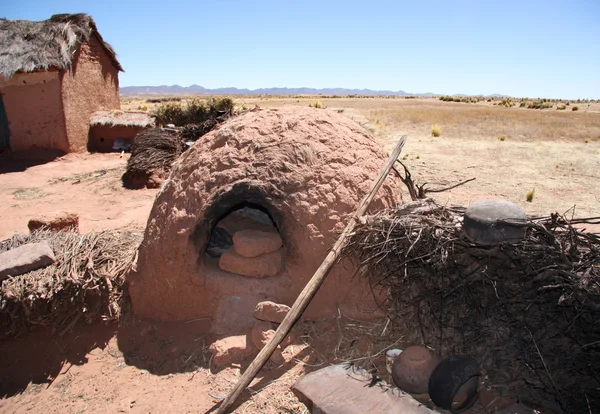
(436, 131)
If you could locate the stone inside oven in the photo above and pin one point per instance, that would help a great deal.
(246, 241)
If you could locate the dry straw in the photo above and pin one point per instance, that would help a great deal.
(31, 46)
(120, 118)
(85, 283)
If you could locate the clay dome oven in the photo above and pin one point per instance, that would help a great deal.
(250, 212)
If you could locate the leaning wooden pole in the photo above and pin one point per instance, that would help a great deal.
(310, 289)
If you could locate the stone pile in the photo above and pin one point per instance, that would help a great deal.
(237, 348)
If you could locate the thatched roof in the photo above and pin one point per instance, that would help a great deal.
(27, 46)
(120, 118)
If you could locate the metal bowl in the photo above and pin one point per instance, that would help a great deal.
(453, 383)
(412, 368)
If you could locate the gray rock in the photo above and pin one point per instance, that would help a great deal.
(24, 259)
(491, 222)
(340, 389)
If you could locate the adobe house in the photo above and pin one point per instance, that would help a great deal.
(53, 75)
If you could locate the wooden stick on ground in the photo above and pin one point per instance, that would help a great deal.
(310, 289)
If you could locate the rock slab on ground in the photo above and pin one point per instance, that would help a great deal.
(62, 221)
(271, 311)
(340, 390)
(263, 266)
(25, 258)
(253, 243)
(231, 349)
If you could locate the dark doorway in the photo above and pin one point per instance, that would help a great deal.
(4, 141)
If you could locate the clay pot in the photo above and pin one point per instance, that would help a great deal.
(412, 368)
(454, 382)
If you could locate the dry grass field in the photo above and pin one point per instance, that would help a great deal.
(509, 151)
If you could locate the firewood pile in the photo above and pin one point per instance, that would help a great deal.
(528, 311)
(153, 152)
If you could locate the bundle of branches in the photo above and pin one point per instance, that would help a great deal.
(86, 281)
(192, 132)
(529, 312)
(153, 152)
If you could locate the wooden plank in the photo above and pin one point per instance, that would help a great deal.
(311, 288)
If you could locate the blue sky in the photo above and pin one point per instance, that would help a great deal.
(520, 48)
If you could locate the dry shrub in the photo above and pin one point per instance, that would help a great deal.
(194, 111)
(86, 281)
(436, 131)
(527, 312)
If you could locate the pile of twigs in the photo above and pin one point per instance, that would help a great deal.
(529, 312)
(154, 150)
(192, 132)
(85, 283)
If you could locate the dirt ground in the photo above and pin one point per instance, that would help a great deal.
(141, 366)
(86, 184)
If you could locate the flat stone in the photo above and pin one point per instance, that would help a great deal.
(491, 222)
(271, 311)
(231, 349)
(253, 243)
(340, 389)
(263, 266)
(61, 221)
(25, 258)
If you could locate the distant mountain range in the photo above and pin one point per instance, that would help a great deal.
(199, 90)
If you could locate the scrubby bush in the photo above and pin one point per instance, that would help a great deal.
(162, 100)
(170, 113)
(538, 105)
(561, 107)
(194, 111)
(436, 131)
(502, 137)
(575, 108)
